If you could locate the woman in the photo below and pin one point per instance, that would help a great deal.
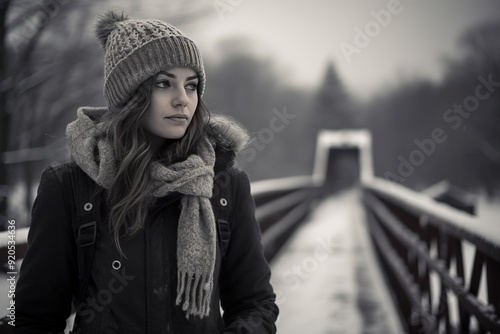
(157, 264)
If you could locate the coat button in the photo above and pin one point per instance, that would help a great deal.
(88, 206)
(116, 264)
(223, 201)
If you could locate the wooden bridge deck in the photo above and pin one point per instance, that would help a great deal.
(326, 277)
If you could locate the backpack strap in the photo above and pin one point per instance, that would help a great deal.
(87, 205)
(223, 207)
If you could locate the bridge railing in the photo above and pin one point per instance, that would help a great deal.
(443, 265)
(281, 205)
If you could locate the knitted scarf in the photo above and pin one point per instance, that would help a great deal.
(193, 178)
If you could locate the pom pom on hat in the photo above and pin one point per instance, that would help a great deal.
(106, 24)
(135, 50)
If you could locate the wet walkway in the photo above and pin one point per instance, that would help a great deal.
(326, 277)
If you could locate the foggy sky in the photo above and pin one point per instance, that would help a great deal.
(303, 35)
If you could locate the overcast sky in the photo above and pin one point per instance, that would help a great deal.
(303, 35)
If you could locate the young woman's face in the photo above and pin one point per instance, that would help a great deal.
(174, 99)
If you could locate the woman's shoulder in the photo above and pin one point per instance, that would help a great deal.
(232, 173)
(65, 177)
(232, 182)
(61, 172)
(238, 175)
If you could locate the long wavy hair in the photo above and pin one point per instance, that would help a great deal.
(129, 196)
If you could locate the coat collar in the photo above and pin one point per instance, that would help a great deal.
(228, 138)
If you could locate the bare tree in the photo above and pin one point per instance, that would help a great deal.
(30, 68)
(53, 67)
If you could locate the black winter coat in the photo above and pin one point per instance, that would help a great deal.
(140, 296)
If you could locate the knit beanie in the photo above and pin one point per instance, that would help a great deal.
(135, 50)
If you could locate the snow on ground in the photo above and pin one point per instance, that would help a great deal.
(326, 278)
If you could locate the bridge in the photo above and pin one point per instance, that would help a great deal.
(354, 253)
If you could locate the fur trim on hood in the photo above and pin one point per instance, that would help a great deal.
(227, 134)
(224, 132)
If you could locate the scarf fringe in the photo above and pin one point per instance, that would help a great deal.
(194, 292)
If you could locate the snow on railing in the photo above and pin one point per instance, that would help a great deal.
(462, 224)
(283, 184)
